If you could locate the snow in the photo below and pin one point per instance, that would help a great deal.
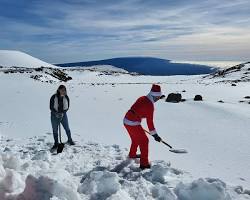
(215, 134)
(97, 171)
(11, 58)
(202, 189)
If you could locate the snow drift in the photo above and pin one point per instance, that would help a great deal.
(10, 58)
(97, 172)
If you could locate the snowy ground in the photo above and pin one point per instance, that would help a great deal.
(215, 134)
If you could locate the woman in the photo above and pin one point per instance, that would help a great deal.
(59, 105)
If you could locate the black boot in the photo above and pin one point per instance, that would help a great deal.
(145, 167)
(71, 142)
(54, 147)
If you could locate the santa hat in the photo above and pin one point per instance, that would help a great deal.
(155, 90)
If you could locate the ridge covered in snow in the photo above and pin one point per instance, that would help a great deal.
(11, 58)
(235, 74)
(105, 69)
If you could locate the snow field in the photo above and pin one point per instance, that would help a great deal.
(95, 171)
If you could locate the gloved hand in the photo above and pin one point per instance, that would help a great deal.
(157, 137)
(59, 116)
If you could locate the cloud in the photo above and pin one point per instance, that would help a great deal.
(69, 30)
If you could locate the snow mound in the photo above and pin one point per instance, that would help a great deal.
(97, 172)
(100, 184)
(208, 189)
(10, 58)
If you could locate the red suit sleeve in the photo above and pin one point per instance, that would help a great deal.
(150, 121)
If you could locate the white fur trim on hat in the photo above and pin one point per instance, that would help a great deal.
(155, 94)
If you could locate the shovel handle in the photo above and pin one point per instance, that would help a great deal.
(166, 144)
(161, 140)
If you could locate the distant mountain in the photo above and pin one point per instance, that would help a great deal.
(148, 66)
(11, 58)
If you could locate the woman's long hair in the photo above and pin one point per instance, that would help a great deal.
(59, 88)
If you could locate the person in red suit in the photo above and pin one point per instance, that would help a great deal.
(143, 108)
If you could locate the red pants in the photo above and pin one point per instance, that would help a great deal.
(138, 139)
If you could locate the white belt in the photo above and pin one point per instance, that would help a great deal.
(131, 123)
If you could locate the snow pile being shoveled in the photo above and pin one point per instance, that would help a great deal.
(94, 171)
(10, 58)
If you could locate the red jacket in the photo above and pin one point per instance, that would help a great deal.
(142, 108)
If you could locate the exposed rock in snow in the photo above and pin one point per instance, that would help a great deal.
(10, 58)
(198, 97)
(43, 74)
(174, 98)
(106, 69)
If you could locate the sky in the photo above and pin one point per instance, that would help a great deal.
(59, 31)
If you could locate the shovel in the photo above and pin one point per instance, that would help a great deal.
(60, 145)
(173, 150)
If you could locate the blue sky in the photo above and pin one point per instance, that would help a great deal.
(60, 31)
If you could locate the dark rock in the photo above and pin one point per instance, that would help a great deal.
(220, 101)
(36, 77)
(60, 75)
(233, 84)
(183, 90)
(198, 98)
(183, 100)
(247, 97)
(39, 69)
(246, 192)
(174, 98)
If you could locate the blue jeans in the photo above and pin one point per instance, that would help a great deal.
(55, 122)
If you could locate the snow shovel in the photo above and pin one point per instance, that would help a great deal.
(173, 150)
(60, 145)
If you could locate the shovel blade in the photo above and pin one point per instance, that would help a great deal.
(178, 150)
(60, 148)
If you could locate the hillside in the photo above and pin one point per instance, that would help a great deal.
(235, 74)
(9, 58)
(148, 66)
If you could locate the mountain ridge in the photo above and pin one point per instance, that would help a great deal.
(147, 66)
